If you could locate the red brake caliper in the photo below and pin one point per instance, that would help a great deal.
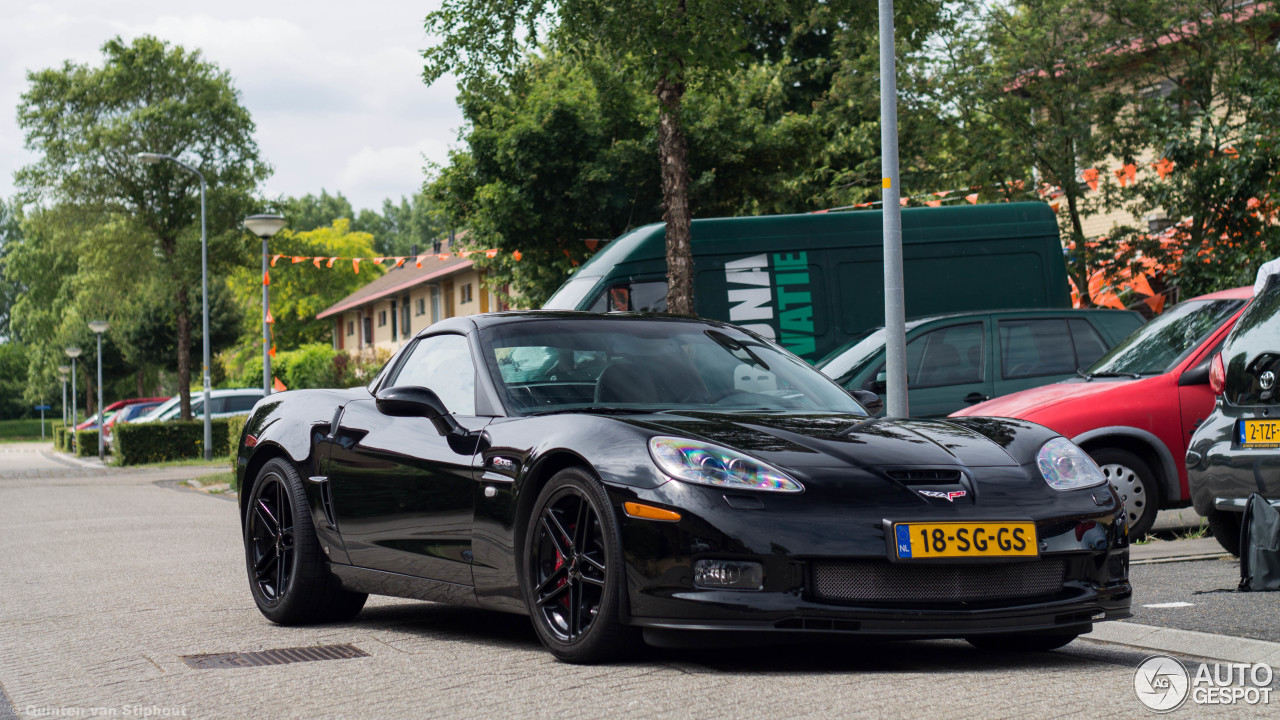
(564, 599)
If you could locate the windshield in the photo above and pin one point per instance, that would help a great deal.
(649, 365)
(571, 294)
(850, 360)
(1161, 344)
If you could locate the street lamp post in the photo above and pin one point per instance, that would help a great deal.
(264, 226)
(73, 352)
(99, 327)
(63, 372)
(152, 159)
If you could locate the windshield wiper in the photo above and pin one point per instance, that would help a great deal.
(602, 409)
(731, 345)
(1107, 373)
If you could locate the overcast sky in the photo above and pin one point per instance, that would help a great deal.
(334, 85)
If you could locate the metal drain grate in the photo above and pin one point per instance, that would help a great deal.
(282, 656)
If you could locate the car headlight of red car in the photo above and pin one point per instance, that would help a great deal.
(1066, 467)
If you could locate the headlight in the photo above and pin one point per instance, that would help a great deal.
(1066, 467)
(707, 464)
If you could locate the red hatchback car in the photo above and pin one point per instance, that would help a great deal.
(1135, 408)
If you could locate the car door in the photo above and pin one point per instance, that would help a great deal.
(947, 369)
(1033, 352)
(402, 492)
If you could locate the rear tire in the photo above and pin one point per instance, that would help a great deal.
(1225, 527)
(1025, 642)
(1136, 485)
(288, 574)
(573, 571)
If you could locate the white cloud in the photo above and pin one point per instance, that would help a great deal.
(336, 90)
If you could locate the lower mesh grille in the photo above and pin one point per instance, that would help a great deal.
(884, 581)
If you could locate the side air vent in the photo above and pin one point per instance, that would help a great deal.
(924, 475)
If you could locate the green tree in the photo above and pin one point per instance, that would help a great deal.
(1209, 72)
(86, 124)
(667, 47)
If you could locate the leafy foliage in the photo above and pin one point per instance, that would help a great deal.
(138, 443)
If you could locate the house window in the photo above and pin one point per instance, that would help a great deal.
(382, 318)
(351, 327)
(466, 294)
(368, 330)
(404, 318)
(435, 304)
(422, 307)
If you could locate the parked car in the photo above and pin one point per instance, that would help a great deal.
(1236, 451)
(128, 414)
(962, 359)
(92, 422)
(637, 487)
(1135, 408)
(813, 282)
(227, 402)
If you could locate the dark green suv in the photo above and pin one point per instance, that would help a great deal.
(1235, 452)
(960, 359)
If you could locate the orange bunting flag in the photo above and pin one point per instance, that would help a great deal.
(491, 253)
(1127, 174)
(465, 253)
(864, 205)
(442, 256)
(1163, 167)
(1091, 178)
(266, 278)
(903, 202)
(272, 351)
(1156, 303)
(379, 260)
(277, 385)
(517, 255)
(274, 259)
(1141, 284)
(1075, 294)
(355, 265)
(942, 193)
(316, 261)
(1229, 151)
(593, 243)
(972, 198)
(330, 263)
(399, 261)
(933, 203)
(270, 318)
(1055, 206)
(298, 259)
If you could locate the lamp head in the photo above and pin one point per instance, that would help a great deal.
(72, 352)
(64, 369)
(149, 158)
(264, 226)
(99, 326)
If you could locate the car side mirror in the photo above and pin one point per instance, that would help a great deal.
(868, 400)
(1197, 375)
(414, 401)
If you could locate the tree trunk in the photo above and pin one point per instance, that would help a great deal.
(182, 314)
(673, 155)
(1083, 269)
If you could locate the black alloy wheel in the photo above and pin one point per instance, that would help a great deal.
(573, 570)
(288, 574)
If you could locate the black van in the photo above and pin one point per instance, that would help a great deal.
(813, 282)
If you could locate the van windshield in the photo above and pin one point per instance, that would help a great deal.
(1158, 346)
(571, 294)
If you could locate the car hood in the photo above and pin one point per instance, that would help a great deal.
(826, 441)
(1025, 403)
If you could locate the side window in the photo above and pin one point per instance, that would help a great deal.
(1034, 348)
(947, 356)
(442, 363)
(638, 297)
(241, 403)
(1089, 345)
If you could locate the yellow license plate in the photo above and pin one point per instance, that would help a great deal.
(917, 541)
(1260, 433)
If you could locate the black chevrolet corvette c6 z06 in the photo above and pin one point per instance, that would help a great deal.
(618, 477)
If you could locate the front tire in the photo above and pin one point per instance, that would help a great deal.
(1225, 527)
(288, 575)
(1136, 485)
(573, 571)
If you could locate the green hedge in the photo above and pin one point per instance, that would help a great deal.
(86, 443)
(235, 428)
(59, 437)
(138, 443)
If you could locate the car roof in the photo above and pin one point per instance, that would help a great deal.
(1244, 292)
(466, 323)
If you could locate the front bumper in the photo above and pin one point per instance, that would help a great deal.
(1090, 546)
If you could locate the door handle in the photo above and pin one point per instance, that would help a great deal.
(974, 398)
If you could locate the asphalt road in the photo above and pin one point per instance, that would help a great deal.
(1201, 595)
(109, 579)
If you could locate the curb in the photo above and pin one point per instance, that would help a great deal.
(1186, 642)
(71, 461)
(1181, 558)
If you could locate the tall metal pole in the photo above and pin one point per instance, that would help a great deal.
(204, 278)
(266, 327)
(894, 303)
(64, 400)
(102, 415)
(73, 400)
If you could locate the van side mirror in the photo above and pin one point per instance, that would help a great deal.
(413, 401)
(868, 400)
(878, 384)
